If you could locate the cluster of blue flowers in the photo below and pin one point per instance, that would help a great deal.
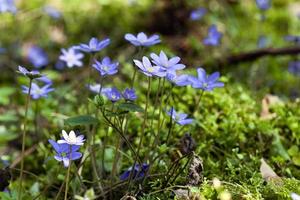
(213, 37)
(157, 65)
(164, 67)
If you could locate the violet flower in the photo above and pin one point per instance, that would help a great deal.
(94, 45)
(65, 152)
(166, 64)
(146, 68)
(106, 66)
(113, 94)
(214, 36)
(142, 39)
(137, 172)
(7, 6)
(179, 118)
(263, 4)
(37, 56)
(198, 13)
(204, 81)
(71, 57)
(129, 94)
(37, 92)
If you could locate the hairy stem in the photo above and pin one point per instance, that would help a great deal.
(24, 140)
(68, 175)
(198, 101)
(143, 130)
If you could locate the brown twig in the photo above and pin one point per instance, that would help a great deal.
(253, 55)
(26, 153)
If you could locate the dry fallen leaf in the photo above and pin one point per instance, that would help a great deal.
(266, 102)
(57, 35)
(267, 172)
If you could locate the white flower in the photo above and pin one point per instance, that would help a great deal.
(71, 57)
(295, 196)
(216, 183)
(71, 139)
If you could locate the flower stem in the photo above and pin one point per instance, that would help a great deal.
(92, 57)
(156, 100)
(36, 118)
(23, 141)
(143, 131)
(139, 53)
(198, 101)
(170, 128)
(68, 174)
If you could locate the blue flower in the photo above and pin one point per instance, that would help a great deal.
(198, 13)
(65, 152)
(179, 80)
(71, 57)
(129, 94)
(147, 68)
(30, 74)
(294, 67)
(263, 4)
(137, 172)
(59, 65)
(52, 12)
(166, 64)
(205, 82)
(293, 38)
(179, 118)
(71, 139)
(113, 94)
(142, 39)
(95, 88)
(262, 41)
(2, 50)
(94, 45)
(7, 6)
(44, 79)
(106, 67)
(36, 91)
(213, 37)
(37, 56)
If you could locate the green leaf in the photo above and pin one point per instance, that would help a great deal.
(279, 148)
(9, 116)
(35, 188)
(294, 150)
(81, 120)
(130, 107)
(5, 92)
(296, 160)
(5, 196)
(115, 114)
(6, 135)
